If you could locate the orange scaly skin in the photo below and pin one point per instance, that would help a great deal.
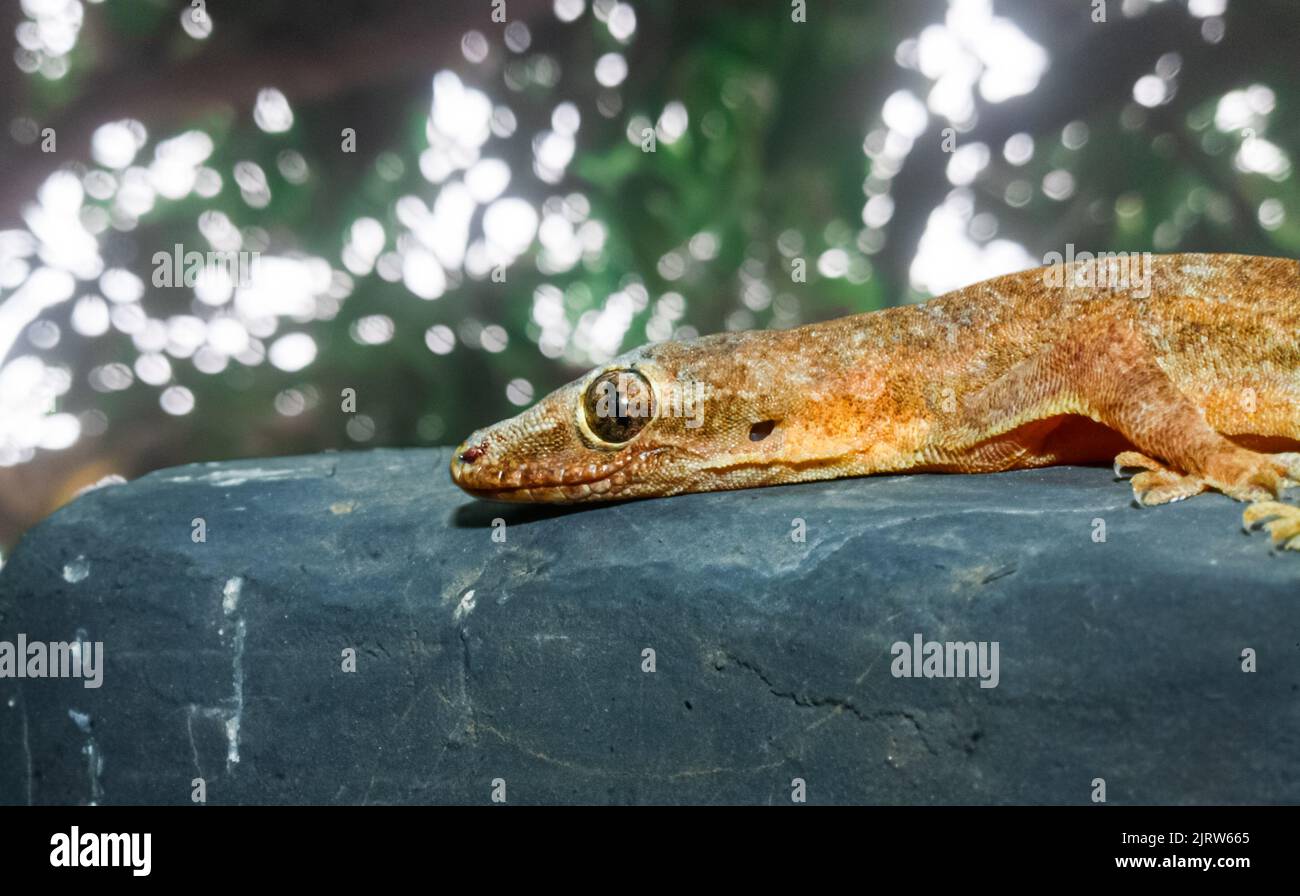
(1194, 381)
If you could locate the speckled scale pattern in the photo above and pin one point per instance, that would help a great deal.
(1011, 372)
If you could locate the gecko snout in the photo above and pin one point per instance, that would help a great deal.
(463, 471)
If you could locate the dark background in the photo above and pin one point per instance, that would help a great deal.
(780, 146)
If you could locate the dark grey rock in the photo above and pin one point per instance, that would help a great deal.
(1119, 660)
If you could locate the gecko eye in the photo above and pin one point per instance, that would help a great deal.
(617, 405)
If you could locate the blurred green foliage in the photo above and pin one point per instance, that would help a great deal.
(772, 165)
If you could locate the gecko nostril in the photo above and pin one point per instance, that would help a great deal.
(760, 431)
(469, 455)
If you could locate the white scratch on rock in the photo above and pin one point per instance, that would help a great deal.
(27, 747)
(229, 604)
(239, 476)
(94, 758)
(236, 716)
(194, 748)
(230, 594)
(94, 769)
(79, 639)
(465, 607)
(231, 715)
(77, 570)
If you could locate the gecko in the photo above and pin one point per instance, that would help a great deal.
(1187, 382)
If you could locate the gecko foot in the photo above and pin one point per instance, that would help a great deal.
(1156, 483)
(1244, 475)
(1282, 521)
(1238, 473)
(1248, 475)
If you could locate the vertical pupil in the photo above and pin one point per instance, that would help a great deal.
(618, 405)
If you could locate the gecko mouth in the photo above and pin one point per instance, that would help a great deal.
(535, 482)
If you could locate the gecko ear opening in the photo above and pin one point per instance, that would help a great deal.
(761, 430)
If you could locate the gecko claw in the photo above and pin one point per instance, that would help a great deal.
(1281, 521)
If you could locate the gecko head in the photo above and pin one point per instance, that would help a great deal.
(656, 421)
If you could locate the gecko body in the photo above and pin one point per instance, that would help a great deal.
(1191, 380)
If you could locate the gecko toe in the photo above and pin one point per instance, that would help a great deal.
(1281, 521)
(1128, 463)
(1260, 486)
(1248, 475)
(1155, 487)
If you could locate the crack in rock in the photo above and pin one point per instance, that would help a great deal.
(811, 701)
